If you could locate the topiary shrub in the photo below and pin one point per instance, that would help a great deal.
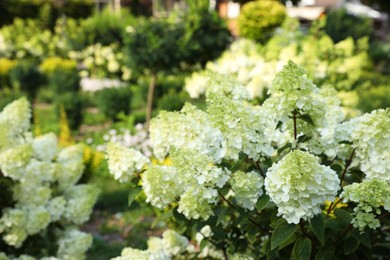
(26, 77)
(341, 25)
(259, 19)
(62, 74)
(206, 36)
(112, 101)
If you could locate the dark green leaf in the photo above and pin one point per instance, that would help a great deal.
(133, 194)
(307, 119)
(345, 142)
(262, 202)
(282, 233)
(303, 138)
(318, 227)
(363, 238)
(325, 253)
(289, 241)
(280, 123)
(337, 168)
(343, 216)
(252, 235)
(302, 249)
(350, 245)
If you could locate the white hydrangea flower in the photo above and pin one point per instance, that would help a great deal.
(369, 195)
(370, 134)
(38, 218)
(73, 244)
(32, 194)
(197, 169)
(242, 126)
(299, 185)
(56, 207)
(161, 184)
(70, 166)
(123, 162)
(131, 253)
(247, 188)
(190, 128)
(17, 115)
(12, 225)
(80, 201)
(193, 204)
(13, 161)
(45, 147)
(171, 243)
(197, 84)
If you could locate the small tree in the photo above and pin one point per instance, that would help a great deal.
(153, 47)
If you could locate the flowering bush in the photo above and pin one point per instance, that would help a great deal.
(340, 65)
(41, 203)
(248, 181)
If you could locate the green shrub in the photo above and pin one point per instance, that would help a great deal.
(64, 81)
(26, 77)
(112, 101)
(374, 98)
(73, 105)
(172, 101)
(78, 8)
(341, 25)
(259, 19)
(380, 54)
(62, 74)
(105, 27)
(206, 36)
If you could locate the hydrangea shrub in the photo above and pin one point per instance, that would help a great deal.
(41, 202)
(267, 181)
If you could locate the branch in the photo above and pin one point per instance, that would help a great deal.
(241, 212)
(295, 124)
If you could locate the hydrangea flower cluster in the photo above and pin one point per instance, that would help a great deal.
(43, 183)
(247, 188)
(193, 179)
(370, 134)
(190, 128)
(369, 195)
(164, 248)
(299, 185)
(242, 127)
(122, 162)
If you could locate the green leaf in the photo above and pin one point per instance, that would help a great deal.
(363, 238)
(132, 195)
(303, 138)
(350, 245)
(318, 227)
(307, 119)
(262, 202)
(302, 249)
(343, 216)
(252, 235)
(281, 233)
(203, 244)
(325, 253)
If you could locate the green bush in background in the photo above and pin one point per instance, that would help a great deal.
(62, 74)
(341, 25)
(206, 36)
(259, 19)
(26, 77)
(112, 101)
(73, 105)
